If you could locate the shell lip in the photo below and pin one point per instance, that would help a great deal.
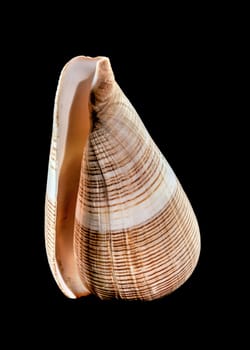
(102, 65)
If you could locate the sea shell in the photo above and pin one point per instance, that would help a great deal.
(117, 221)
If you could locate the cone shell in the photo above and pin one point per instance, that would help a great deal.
(117, 221)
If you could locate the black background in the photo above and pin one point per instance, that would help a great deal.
(175, 66)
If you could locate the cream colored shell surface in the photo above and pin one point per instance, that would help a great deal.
(135, 235)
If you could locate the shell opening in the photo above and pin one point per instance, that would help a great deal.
(74, 126)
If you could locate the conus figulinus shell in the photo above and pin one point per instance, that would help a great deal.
(117, 221)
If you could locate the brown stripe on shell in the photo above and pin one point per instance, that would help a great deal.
(148, 261)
